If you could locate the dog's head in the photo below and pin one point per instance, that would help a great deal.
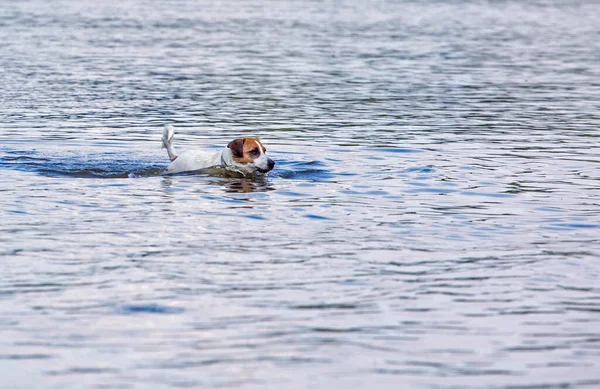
(249, 156)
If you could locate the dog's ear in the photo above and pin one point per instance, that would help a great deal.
(237, 147)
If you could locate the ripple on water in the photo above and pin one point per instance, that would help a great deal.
(149, 308)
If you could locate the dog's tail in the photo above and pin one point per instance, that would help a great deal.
(167, 141)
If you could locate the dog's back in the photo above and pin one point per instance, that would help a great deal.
(193, 160)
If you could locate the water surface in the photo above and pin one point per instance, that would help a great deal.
(432, 222)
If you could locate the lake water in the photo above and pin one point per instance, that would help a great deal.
(433, 220)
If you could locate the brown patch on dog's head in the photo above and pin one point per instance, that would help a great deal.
(237, 147)
(246, 150)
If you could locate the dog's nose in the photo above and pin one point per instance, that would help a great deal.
(270, 164)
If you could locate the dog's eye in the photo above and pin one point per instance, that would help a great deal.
(254, 152)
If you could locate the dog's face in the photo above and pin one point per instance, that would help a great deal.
(249, 156)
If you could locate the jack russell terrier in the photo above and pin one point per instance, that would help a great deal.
(244, 155)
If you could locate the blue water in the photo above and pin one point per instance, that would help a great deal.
(432, 222)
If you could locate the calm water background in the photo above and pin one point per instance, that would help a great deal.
(433, 220)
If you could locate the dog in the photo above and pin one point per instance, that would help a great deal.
(245, 156)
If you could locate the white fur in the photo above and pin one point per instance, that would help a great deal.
(195, 160)
(167, 141)
(199, 159)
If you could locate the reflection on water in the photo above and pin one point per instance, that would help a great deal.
(431, 221)
(243, 185)
(229, 184)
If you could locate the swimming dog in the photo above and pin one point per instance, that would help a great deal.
(243, 155)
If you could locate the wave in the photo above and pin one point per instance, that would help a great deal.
(120, 165)
(106, 165)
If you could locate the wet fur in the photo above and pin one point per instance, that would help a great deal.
(245, 156)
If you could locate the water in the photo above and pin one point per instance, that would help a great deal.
(432, 222)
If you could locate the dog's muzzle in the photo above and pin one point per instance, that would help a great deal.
(270, 166)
